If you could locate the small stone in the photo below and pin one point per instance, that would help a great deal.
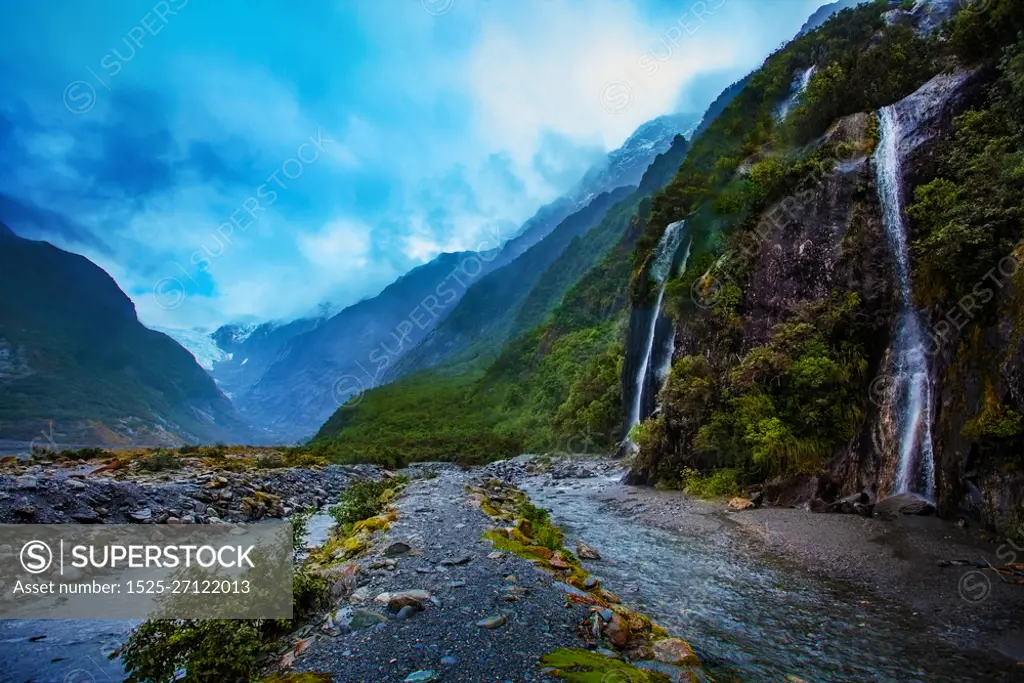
(492, 622)
(590, 583)
(87, 516)
(25, 511)
(226, 494)
(617, 631)
(674, 651)
(173, 520)
(605, 614)
(497, 555)
(141, 515)
(407, 611)
(740, 504)
(585, 552)
(456, 561)
(420, 676)
(398, 548)
(75, 484)
(558, 562)
(364, 618)
(448, 660)
(26, 483)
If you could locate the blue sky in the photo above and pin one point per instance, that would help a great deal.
(247, 159)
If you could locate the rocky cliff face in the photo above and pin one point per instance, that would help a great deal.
(828, 239)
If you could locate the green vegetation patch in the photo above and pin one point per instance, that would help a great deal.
(583, 666)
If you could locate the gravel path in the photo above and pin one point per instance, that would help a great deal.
(443, 530)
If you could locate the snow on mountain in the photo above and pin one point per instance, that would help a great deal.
(626, 165)
(200, 344)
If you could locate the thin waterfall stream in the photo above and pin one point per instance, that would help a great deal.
(661, 270)
(911, 382)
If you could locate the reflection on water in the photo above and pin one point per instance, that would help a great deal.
(71, 651)
(752, 620)
(76, 651)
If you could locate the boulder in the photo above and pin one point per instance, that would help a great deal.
(674, 651)
(585, 552)
(903, 504)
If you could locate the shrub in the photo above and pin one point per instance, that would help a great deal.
(159, 461)
(364, 499)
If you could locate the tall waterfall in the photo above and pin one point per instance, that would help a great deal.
(661, 269)
(911, 383)
(799, 86)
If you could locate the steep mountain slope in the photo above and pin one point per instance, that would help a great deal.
(249, 350)
(481, 322)
(289, 378)
(73, 352)
(848, 323)
(845, 316)
(314, 372)
(490, 314)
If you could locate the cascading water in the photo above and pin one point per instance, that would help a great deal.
(799, 86)
(661, 268)
(911, 382)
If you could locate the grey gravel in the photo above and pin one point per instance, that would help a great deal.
(444, 639)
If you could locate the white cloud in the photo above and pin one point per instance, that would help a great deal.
(339, 246)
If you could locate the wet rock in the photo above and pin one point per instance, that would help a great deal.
(590, 583)
(141, 515)
(421, 675)
(456, 561)
(26, 483)
(397, 548)
(851, 505)
(364, 618)
(86, 516)
(903, 504)
(558, 562)
(616, 630)
(674, 651)
(402, 598)
(585, 552)
(492, 622)
(407, 612)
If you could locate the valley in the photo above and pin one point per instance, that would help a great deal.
(742, 402)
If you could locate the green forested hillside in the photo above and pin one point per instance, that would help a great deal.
(73, 352)
(764, 402)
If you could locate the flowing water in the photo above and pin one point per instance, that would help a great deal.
(661, 269)
(751, 618)
(799, 86)
(77, 650)
(911, 383)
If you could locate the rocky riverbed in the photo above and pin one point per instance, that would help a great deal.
(99, 493)
(764, 594)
